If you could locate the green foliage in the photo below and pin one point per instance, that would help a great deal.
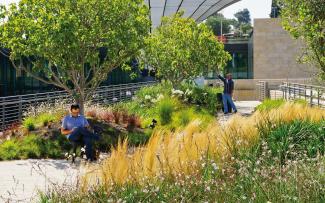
(38, 31)
(33, 146)
(182, 49)
(29, 123)
(205, 97)
(30, 147)
(45, 118)
(139, 138)
(166, 108)
(243, 16)
(269, 104)
(9, 150)
(306, 20)
(214, 23)
(185, 116)
(288, 141)
(200, 102)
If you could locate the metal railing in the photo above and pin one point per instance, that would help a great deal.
(314, 95)
(12, 108)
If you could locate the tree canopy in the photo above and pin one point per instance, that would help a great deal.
(306, 20)
(182, 49)
(214, 23)
(243, 16)
(63, 39)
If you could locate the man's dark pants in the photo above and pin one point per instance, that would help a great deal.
(82, 134)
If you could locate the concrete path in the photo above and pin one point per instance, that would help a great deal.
(245, 108)
(21, 180)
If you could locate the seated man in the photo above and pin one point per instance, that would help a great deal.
(74, 126)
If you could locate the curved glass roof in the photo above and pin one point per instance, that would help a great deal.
(197, 9)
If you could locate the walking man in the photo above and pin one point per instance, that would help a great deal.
(75, 128)
(228, 93)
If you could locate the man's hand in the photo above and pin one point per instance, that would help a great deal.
(66, 132)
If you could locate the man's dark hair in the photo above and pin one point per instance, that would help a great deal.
(74, 106)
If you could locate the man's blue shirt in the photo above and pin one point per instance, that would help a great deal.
(69, 122)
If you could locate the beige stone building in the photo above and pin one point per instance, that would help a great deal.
(273, 57)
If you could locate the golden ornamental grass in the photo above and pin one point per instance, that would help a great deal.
(168, 154)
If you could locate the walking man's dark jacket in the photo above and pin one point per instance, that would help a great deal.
(228, 85)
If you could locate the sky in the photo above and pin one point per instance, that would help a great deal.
(257, 8)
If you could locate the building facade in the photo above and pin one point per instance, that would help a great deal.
(13, 82)
(270, 54)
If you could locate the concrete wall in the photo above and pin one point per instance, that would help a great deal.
(276, 53)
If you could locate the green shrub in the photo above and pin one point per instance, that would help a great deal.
(30, 147)
(139, 138)
(269, 104)
(52, 149)
(9, 150)
(160, 88)
(45, 118)
(205, 97)
(300, 101)
(166, 108)
(29, 123)
(287, 141)
(185, 117)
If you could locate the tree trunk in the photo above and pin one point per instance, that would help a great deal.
(79, 98)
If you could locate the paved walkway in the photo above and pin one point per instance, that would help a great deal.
(244, 108)
(21, 180)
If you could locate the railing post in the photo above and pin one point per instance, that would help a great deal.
(311, 96)
(20, 109)
(318, 97)
(3, 115)
(282, 89)
(305, 92)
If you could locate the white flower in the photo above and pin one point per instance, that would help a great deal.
(215, 167)
(114, 99)
(147, 97)
(208, 188)
(128, 93)
(188, 92)
(160, 97)
(177, 92)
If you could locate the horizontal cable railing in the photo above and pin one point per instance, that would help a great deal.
(13, 107)
(314, 95)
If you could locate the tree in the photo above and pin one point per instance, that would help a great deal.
(243, 17)
(275, 10)
(306, 20)
(214, 23)
(73, 44)
(245, 28)
(181, 49)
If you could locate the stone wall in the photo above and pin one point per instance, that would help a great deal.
(276, 52)
(275, 55)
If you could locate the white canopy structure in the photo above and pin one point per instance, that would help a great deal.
(199, 10)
